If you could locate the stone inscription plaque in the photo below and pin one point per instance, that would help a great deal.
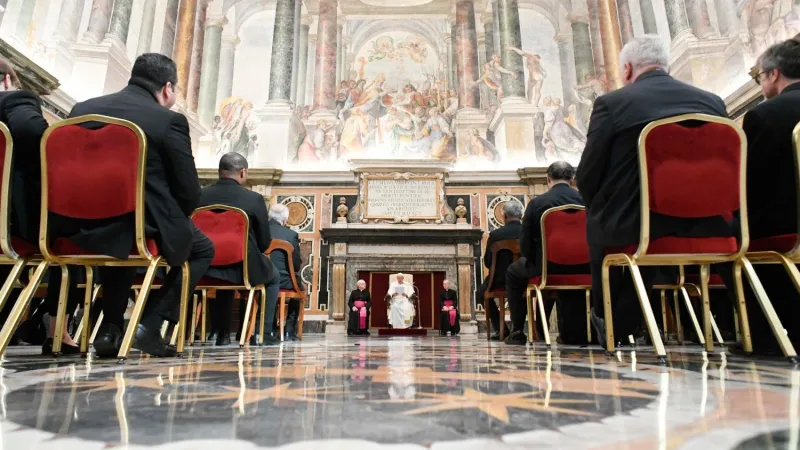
(402, 198)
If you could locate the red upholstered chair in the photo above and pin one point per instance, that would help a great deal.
(563, 243)
(95, 173)
(15, 251)
(286, 295)
(228, 228)
(688, 172)
(508, 245)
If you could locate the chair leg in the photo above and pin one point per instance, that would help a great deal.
(716, 331)
(769, 311)
(138, 309)
(87, 310)
(531, 310)
(282, 315)
(693, 316)
(677, 312)
(13, 276)
(61, 316)
(501, 306)
(588, 316)
(664, 313)
(609, 320)
(741, 309)
(96, 327)
(24, 299)
(194, 319)
(486, 301)
(79, 332)
(705, 274)
(185, 293)
(263, 291)
(174, 336)
(545, 324)
(245, 325)
(203, 315)
(302, 317)
(650, 319)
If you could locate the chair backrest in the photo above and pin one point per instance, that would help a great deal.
(93, 167)
(229, 229)
(564, 237)
(280, 245)
(407, 277)
(6, 146)
(508, 245)
(692, 166)
(796, 145)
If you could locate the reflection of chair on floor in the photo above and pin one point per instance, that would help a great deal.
(414, 299)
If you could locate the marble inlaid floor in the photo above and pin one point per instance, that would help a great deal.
(400, 393)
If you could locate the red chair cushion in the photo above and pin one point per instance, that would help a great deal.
(693, 172)
(228, 230)
(782, 243)
(714, 280)
(23, 247)
(65, 247)
(564, 280)
(672, 245)
(565, 237)
(92, 174)
(213, 282)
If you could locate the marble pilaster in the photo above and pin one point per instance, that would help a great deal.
(488, 35)
(170, 28)
(582, 44)
(23, 28)
(120, 22)
(594, 32)
(484, 91)
(510, 36)
(452, 62)
(98, 21)
(699, 20)
(146, 32)
(339, 52)
(677, 19)
(310, 68)
(184, 40)
(209, 78)
(196, 67)
(467, 55)
(227, 60)
(566, 59)
(625, 21)
(302, 66)
(325, 58)
(280, 72)
(727, 19)
(296, 52)
(648, 17)
(496, 16)
(611, 39)
(69, 20)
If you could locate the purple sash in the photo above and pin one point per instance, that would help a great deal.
(362, 312)
(452, 312)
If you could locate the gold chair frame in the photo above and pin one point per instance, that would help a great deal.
(490, 294)
(542, 286)
(143, 259)
(680, 289)
(641, 258)
(9, 255)
(245, 274)
(284, 297)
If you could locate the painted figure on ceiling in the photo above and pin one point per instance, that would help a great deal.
(560, 136)
(536, 74)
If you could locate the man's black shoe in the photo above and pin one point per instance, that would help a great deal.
(213, 336)
(254, 339)
(223, 340)
(270, 340)
(599, 325)
(516, 338)
(150, 342)
(47, 348)
(108, 341)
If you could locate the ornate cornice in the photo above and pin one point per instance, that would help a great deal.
(268, 177)
(32, 76)
(533, 175)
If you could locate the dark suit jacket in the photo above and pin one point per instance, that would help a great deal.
(172, 188)
(771, 176)
(21, 111)
(511, 230)
(279, 258)
(530, 244)
(449, 294)
(230, 193)
(608, 175)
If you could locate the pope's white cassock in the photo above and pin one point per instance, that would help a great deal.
(401, 312)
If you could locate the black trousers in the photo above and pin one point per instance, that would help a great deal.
(162, 304)
(222, 307)
(494, 311)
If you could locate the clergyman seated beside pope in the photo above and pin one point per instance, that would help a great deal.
(401, 311)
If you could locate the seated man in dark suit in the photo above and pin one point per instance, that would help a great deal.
(608, 175)
(230, 191)
(772, 187)
(559, 178)
(171, 194)
(512, 228)
(278, 215)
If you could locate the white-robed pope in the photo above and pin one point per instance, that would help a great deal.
(401, 311)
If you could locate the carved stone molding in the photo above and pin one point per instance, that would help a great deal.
(32, 76)
(256, 176)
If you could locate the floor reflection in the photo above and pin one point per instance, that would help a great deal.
(402, 390)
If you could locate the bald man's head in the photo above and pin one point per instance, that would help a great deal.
(560, 172)
(233, 166)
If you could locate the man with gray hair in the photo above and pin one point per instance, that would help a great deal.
(230, 190)
(278, 218)
(608, 175)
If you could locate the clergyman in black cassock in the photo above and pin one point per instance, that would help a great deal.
(448, 310)
(358, 307)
